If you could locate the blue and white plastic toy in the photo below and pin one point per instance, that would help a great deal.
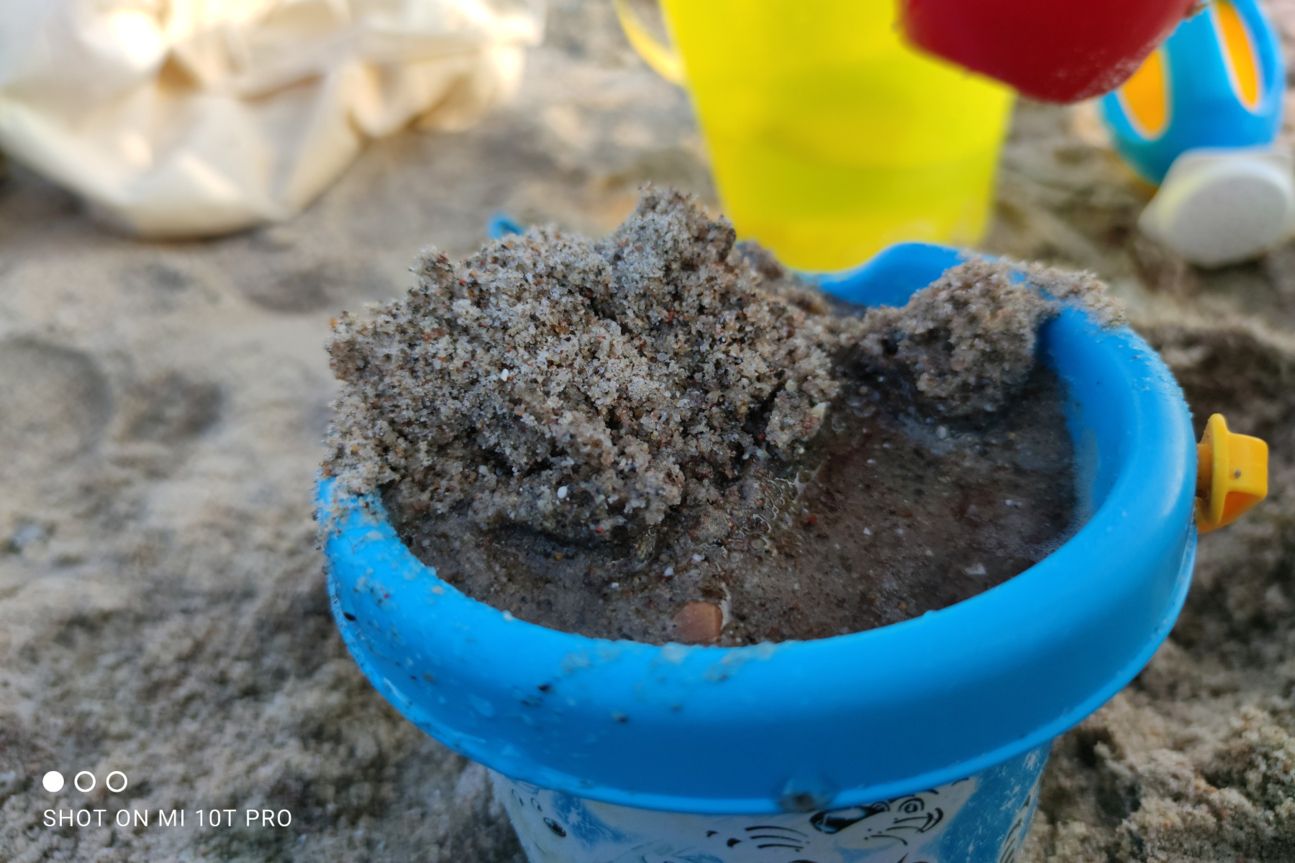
(1200, 118)
(919, 741)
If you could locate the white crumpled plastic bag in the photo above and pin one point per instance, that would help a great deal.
(180, 118)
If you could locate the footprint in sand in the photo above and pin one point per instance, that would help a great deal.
(316, 287)
(171, 408)
(56, 403)
(295, 292)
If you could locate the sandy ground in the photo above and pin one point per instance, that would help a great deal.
(162, 606)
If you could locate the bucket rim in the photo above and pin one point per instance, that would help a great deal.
(833, 722)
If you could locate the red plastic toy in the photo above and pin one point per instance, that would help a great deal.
(1055, 50)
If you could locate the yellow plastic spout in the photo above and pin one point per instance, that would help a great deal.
(1231, 475)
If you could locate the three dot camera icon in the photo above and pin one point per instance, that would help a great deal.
(85, 781)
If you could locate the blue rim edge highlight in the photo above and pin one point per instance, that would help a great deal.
(827, 723)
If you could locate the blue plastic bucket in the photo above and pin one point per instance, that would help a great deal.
(818, 737)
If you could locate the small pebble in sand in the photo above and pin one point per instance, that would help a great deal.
(699, 623)
(977, 570)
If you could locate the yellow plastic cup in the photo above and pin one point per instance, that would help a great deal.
(829, 138)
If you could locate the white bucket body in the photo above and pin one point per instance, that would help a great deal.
(980, 819)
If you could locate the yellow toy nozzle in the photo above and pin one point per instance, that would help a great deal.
(1231, 475)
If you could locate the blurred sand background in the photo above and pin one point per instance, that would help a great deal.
(162, 603)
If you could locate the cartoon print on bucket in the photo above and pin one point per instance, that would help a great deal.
(901, 821)
(555, 827)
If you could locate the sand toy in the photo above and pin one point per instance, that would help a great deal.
(829, 137)
(834, 749)
(1200, 119)
(1058, 52)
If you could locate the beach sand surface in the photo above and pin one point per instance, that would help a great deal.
(162, 602)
